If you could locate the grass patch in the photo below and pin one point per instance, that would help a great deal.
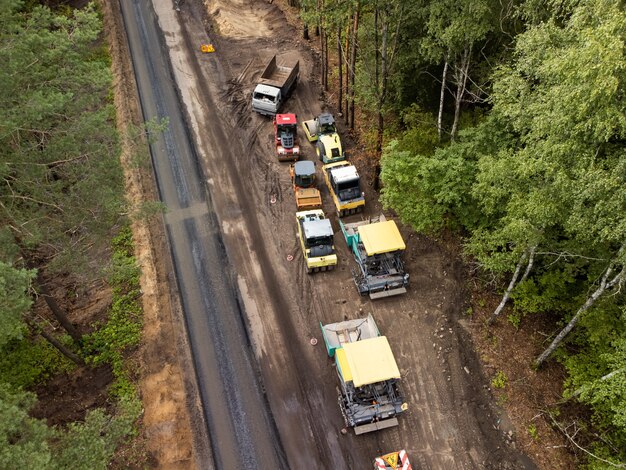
(500, 380)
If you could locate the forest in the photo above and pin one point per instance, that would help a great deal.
(61, 193)
(501, 122)
(504, 123)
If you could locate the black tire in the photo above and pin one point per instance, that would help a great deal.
(320, 151)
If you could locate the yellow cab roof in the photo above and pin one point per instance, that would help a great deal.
(369, 361)
(381, 237)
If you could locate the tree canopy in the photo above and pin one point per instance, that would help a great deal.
(536, 186)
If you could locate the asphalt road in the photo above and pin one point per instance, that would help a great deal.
(239, 423)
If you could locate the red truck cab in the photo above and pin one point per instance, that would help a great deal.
(286, 137)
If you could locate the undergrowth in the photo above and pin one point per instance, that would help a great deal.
(115, 338)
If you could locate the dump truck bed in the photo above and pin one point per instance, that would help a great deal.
(279, 76)
(349, 331)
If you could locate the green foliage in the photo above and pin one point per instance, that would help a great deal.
(28, 443)
(532, 431)
(122, 329)
(14, 301)
(431, 189)
(500, 380)
(61, 179)
(23, 440)
(548, 292)
(61, 187)
(515, 319)
(26, 362)
(90, 445)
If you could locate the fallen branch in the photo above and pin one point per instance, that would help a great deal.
(571, 439)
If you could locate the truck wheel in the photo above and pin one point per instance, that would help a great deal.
(309, 270)
(320, 152)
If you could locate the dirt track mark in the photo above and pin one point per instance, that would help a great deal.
(273, 191)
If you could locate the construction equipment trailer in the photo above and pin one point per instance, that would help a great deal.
(369, 395)
(303, 181)
(323, 130)
(344, 185)
(377, 247)
(316, 241)
(286, 137)
(276, 84)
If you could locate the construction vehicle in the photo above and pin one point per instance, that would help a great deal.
(316, 241)
(277, 82)
(369, 395)
(322, 130)
(377, 247)
(393, 461)
(286, 137)
(344, 185)
(303, 180)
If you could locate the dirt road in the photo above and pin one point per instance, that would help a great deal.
(451, 422)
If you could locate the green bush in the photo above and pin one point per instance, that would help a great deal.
(27, 362)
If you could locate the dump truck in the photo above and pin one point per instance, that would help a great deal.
(286, 137)
(377, 247)
(393, 461)
(276, 84)
(303, 181)
(322, 130)
(316, 241)
(344, 185)
(369, 393)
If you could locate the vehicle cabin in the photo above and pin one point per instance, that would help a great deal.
(316, 241)
(303, 174)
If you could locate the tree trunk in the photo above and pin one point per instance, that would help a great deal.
(325, 42)
(604, 286)
(347, 66)
(59, 314)
(340, 69)
(461, 81)
(505, 298)
(54, 342)
(305, 31)
(441, 98)
(353, 51)
(529, 266)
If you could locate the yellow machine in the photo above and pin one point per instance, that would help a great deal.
(303, 181)
(316, 241)
(344, 185)
(370, 397)
(322, 130)
(377, 247)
